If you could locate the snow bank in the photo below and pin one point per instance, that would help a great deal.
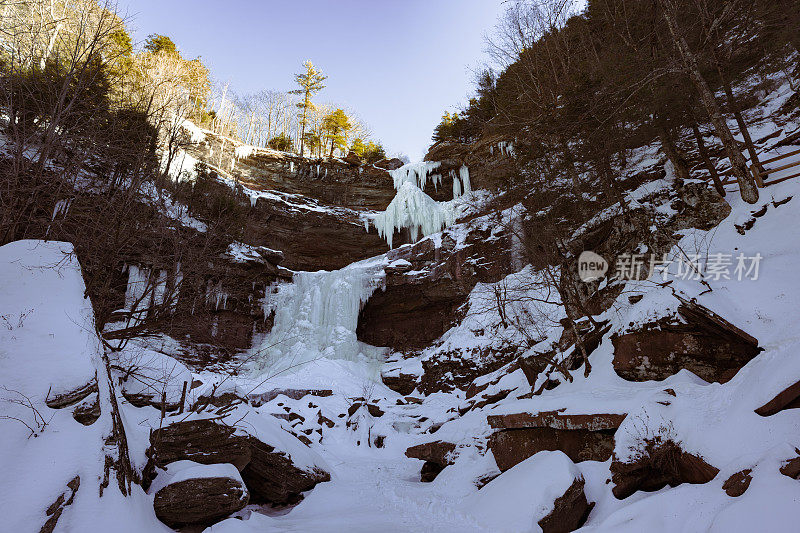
(196, 135)
(47, 334)
(520, 497)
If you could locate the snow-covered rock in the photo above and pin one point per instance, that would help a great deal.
(193, 493)
(542, 493)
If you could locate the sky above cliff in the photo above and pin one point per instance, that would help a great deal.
(399, 63)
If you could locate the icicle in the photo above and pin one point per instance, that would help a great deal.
(136, 298)
(456, 186)
(463, 173)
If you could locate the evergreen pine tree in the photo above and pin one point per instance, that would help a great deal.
(310, 83)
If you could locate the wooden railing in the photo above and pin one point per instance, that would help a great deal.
(762, 178)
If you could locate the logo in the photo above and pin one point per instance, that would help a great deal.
(591, 266)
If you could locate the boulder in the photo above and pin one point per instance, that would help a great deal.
(788, 398)
(737, 484)
(437, 455)
(582, 437)
(791, 468)
(88, 411)
(557, 420)
(660, 463)
(401, 383)
(699, 341)
(546, 489)
(258, 399)
(202, 441)
(274, 476)
(150, 378)
(192, 493)
(63, 501)
(389, 164)
(570, 510)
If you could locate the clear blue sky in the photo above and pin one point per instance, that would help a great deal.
(399, 63)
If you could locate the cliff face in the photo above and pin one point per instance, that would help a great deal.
(332, 182)
(489, 161)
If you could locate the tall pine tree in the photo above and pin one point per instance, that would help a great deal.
(310, 83)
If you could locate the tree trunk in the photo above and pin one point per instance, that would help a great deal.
(747, 186)
(673, 154)
(701, 147)
(733, 105)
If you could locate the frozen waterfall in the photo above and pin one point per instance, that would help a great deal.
(316, 317)
(412, 208)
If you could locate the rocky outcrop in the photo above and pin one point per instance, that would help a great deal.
(63, 501)
(582, 437)
(199, 495)
(788, 398)
(570, 510)
(698, 340)
(62, 399)
(332, 181)
(272, 477)
(419, 304)
(488, 159)
(660, 463)
(88, 411)
(437, 455)
(312, 237)
(201, 441)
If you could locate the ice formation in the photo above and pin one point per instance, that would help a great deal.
(505, 148)
(182, 166)
(416, 173)
(196, 135)
(144, 290)
(316, 317)
(244, 151)
(412, 208)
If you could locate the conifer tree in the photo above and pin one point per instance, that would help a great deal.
(310, 83)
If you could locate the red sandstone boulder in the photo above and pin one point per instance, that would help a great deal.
(699, 340)
(437, 455)
(737, 484)
(661, 462)
(546, 489)
(201, 441)
(788, 398)
(582, 437)
(191, 493)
